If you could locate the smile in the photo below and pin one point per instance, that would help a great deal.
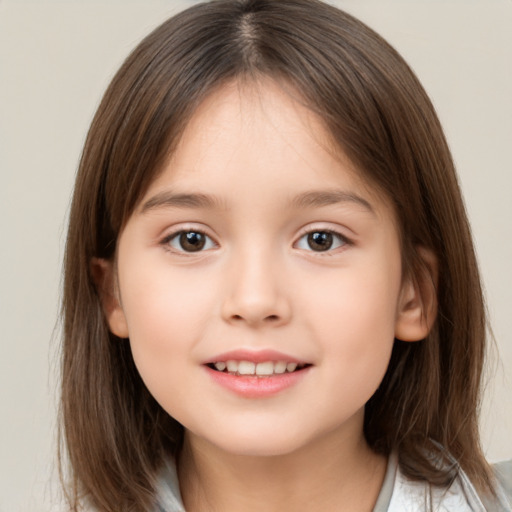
(261, 369)
(256, 373)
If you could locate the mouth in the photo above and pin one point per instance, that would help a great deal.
(260, 369)
(255, 374)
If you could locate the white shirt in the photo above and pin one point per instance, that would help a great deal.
(398, 493)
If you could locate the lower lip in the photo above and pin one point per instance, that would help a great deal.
(250, 386)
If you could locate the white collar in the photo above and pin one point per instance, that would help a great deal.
(398, 493)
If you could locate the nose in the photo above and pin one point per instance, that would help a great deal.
(256, 292)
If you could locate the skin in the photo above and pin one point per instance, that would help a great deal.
(258, 283)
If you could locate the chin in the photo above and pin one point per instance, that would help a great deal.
(266, 441)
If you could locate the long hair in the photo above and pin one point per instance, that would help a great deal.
(115, 434)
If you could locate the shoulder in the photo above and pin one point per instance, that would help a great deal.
(503, 473)
(460, 496)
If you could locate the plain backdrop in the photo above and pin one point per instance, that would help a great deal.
(57, 57)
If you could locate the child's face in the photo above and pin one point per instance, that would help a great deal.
(248, 182)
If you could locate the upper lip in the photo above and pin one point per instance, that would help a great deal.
(255, 356)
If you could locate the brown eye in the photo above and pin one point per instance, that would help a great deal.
(321, 241)
(192, 241)
(189, 241)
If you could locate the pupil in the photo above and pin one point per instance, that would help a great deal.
(191, 241)
(320, 240)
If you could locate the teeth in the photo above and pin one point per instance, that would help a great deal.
(232, 366)
(279, 367)
(290, 367)
(246, 368)
(266, 368)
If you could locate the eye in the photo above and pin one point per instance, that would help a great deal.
(189, 241)
(321, 241)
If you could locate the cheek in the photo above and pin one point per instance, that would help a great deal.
(354, 318)
(356, 303)
(161, 305)
(166, 316)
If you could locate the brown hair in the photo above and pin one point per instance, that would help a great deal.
(116, 434)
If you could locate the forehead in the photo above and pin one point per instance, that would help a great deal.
(256, 113)
(262, 135)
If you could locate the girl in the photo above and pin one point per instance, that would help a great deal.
(271, 295)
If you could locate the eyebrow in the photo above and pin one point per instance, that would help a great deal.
(175, 200)
(311, 199)
(318, 198)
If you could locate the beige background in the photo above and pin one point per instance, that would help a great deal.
(56, 58)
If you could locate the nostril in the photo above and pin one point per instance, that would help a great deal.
(269, 318)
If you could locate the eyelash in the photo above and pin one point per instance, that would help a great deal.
(166, 241)
(344, 241)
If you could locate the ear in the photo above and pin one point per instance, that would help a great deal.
(103, 274)
(417, 306)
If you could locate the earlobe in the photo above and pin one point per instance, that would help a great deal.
(417, 306)
(103, 274)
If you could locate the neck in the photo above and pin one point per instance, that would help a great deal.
(331, 474)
